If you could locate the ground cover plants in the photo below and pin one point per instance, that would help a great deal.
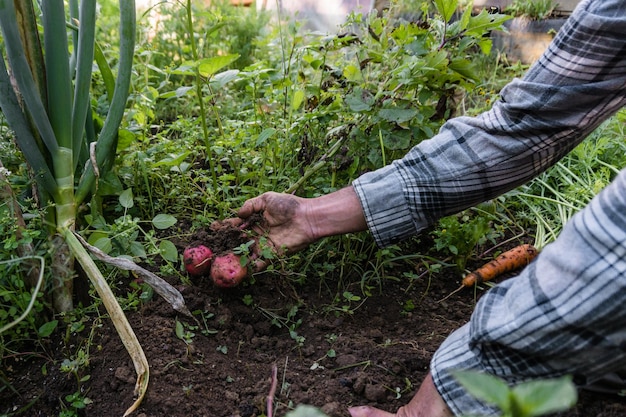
(216, 105)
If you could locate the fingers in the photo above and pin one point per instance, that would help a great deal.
(366, 411)
(251, 206)
(232, 222)
(259, 265)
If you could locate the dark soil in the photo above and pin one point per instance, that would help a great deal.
(382, 345)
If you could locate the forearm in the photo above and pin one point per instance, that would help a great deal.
(336, 213)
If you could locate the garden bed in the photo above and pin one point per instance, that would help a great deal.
(375, 352)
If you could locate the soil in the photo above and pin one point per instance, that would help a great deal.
(328, 352)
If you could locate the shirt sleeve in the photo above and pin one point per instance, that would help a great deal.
(578, 82)
(562, 315)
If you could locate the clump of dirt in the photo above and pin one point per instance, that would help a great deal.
(223, 236)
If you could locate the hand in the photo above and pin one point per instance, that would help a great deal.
(366, 411)
(292, 223)
(426, 403)
(288, 228)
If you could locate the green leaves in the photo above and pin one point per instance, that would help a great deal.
(446, 8)
(360, 100)
(485, 387)
(210, 66)
(459, 235)
(207, 67)
(26, 84)
(528, 399)
(85, 57)
(47, 328)
(107, 140)
(163, 221)
(59, 81)
(398, 115)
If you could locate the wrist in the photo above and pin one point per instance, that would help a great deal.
(336, 213)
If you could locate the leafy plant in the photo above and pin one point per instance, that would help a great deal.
(205, 316)
(551, 199)
(185, 332)
(76, 367)
(532, 9)
(54, 128)
(458, 235)
(398, 83)
(127, 236)
(346, 304)
(73, 403)
(17, 324)
(289, 321)
(57, 144)
(527, 399)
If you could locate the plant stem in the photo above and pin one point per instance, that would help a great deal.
(39, 281)
(65, 209)
(317, 166)
(203, 122)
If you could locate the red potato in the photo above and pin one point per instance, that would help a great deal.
(197, 260)
(227, 270)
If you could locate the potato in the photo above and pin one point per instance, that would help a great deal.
(197, 260)
(227, 270)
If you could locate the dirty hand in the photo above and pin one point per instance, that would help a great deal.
(285, 222)
(292, 223)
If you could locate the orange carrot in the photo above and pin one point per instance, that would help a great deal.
(510, 260)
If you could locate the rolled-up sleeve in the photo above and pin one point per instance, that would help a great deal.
(579, 82)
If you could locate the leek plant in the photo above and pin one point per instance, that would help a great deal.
(45, 96)
(46, 101)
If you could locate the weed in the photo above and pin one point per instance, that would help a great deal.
(289, 321)
(527, 399)
(76, 367)
(458, 235)
(347, 303)
(247, 300)
(188, 389)
(16, 305)
(205, 316)
(185, 332)
(243, 251)
(330, 353)
(73, 403)
(532, 9)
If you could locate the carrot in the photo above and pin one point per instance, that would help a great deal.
(508, 261)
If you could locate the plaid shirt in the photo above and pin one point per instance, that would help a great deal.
(564, 314)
